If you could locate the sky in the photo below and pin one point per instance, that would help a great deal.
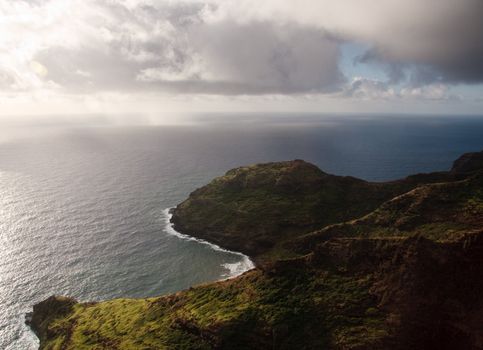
(162, 56)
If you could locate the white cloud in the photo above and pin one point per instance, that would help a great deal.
(435, 91)
(371, 89)
(238, 47)
(39, 69)
(150, 45)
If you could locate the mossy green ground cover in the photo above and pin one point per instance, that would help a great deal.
(300, 306)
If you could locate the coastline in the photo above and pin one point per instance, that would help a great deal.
(337, 287)
(235, 269)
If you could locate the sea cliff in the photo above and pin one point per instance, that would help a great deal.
(341, 264)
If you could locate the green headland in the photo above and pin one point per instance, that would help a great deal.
(341, 263)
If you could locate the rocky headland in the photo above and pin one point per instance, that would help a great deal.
(342, 263)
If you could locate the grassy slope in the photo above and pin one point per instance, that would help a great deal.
(255, 209)
(362, 285)
(441, 212)
(260, 310)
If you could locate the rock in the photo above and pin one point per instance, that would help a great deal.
(45, 312)
(468, 162)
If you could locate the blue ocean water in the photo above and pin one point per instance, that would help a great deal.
(83, 205)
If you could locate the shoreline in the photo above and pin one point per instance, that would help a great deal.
(235, 269)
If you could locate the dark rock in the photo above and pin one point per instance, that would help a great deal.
(468, 162)
(45, 312)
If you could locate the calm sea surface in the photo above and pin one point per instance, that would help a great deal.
(82, 206)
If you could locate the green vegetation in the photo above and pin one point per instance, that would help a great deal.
(256, 209)
(402, 269)
(440, 212)
(299, 306)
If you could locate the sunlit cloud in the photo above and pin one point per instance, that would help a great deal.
(66, 48)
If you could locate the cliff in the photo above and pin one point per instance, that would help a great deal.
(342, 264)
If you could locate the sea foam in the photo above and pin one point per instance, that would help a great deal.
(232, 269)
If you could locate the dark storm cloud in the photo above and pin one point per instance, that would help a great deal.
(446, 47)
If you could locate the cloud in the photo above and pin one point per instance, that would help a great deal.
(421, 41)
(167, 46)
(371, 89)
(366, 89)
(266, 57)
(442, 42)
(230, 47)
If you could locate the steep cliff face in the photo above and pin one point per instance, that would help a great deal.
(405, 274)
(44, 316)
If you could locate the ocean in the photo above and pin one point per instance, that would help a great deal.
(84, 204)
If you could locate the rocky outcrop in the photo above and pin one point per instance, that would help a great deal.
(468, 162)
(45, 313)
